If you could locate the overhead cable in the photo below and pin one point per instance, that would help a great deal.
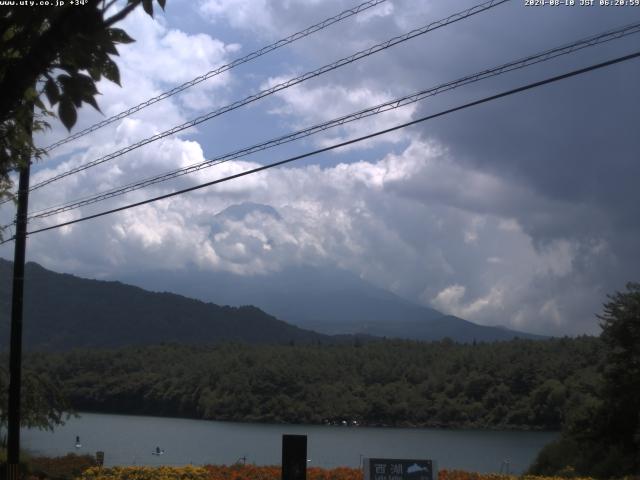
(281, 86)
(217, 71)
(380, 108)
(529, 86)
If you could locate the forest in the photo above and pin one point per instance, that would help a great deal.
(520, 384)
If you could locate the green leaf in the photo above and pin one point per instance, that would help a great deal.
(85, 83)
(95, 73)
(148, 7)
(104, 43)
(67, 113)
(120, 36)
(52, 92)
(38, 103)
(71, 88)
(77, 55)
(98, 58)
(110, 71)
(92, 101)
(30, 94)
(64, 80)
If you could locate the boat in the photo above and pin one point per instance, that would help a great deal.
(158, 451)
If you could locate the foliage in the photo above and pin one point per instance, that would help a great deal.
(601, 437)
(43, 405)
(518, 384)
(252, 472)
(242, 472)
(620, 324)
(552, 456)
(145, 473)
(58, 53)
(462, 475)
(111, 314)
(60, 468)
(24, 459)
(83, 468)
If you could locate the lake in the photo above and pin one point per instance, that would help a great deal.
(130, 440)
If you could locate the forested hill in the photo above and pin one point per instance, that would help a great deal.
(518, 384)
(63, 311)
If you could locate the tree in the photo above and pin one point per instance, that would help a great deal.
(54, 53)
(620, 324)
(43, 403)
(602, 436)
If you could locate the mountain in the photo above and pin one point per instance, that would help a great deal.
(326, 300)
(63, 311)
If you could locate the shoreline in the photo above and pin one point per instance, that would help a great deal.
(399, 426)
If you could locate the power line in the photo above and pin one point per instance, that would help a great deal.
(217, 71)
(281, 86)
(348, 142)
(380, 108)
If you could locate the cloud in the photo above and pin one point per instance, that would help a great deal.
(275, 18)
(305, 105)
(520, 212)
(368, 217)
(253, 14)
(451, 300)
(158, 60)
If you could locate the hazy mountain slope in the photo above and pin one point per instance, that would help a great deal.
(63, 311)
(325, 300)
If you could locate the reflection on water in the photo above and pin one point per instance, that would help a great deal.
(135, 440)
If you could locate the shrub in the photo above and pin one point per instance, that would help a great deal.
(60, 468)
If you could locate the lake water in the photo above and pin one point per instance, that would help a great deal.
(130, 440)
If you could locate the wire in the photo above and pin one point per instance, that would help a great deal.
(342, 144)
(383, 107)
(239, 61)
(281, 86)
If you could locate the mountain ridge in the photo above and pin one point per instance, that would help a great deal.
(329, 301)
(110, 314)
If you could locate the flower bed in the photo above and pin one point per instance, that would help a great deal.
(66, 467)
(252, 472)
(145, 473)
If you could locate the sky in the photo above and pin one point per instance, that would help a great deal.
(521, 212)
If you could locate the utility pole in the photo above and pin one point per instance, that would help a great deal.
(15, 353)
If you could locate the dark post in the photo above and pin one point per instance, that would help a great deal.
(15, 355)
(294, 457)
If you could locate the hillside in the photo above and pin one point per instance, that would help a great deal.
(63, 311)
(520, 384)
(325, 300)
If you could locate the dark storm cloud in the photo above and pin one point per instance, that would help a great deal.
(574, 141)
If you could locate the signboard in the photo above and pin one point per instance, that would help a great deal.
(294, 457)
(399, 469)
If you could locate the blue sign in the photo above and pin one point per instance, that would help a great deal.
(399, 469)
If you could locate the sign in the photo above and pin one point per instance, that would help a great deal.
(294, 457)
(399, 469)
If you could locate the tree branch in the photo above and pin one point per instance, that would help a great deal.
(122, 13)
